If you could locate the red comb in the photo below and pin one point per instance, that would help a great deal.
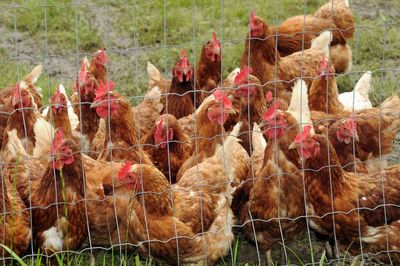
(104, 88)
(351, 121)
(214, 37)
(124, 170)
(324, 63)
(58, 91)
(242, 76)
(271, 111)
(16, 91)
(102, 56)
(269, 97)
(222, 98)
(304, 134)
(82, 72)
(252, 16)
(184, 60)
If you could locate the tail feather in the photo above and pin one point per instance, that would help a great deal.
(322, 42)
(363, 85)
(33, 77)
(44, 135)
(391, 106)
(258, 140)
(225, 152)
(230, 79)
(14, 147)
(299, 104)
(154, 74)
(73, 118)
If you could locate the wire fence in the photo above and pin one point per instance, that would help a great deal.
(214, 188)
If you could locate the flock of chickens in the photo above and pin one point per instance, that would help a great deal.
(263, 151)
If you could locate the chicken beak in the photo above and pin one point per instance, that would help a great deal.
(263, 124)
(293, 145)
(230, 111)
(356, 138)
(95, 104)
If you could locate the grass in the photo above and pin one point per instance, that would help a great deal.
(135, 32)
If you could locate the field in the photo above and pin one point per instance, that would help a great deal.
(58, 34)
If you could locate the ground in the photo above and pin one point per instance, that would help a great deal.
(58, 34)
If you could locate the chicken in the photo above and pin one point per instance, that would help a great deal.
(188, 122)
(34, 132)
(155, 79)
(376, 127)
(276, 72)
(57, 199)
(323, 95)
(168, 146)
(29, 83)
(73, 118)
(121, 141)
(296, 33)
(183, 96)
(341, 135)
(362, 204)
(15, 231)
(208, 72)
(191, 227)
(222, 172)
(358, 99)
(88, 126)
(97, 67)
(148, 111)
(273, 180)
(59, 115)
(6, 109)
(210, 118)
(103, 203)
(253, 104)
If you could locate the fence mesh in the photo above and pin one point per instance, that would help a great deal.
(113, 205)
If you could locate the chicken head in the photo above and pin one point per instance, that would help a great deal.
(99, 58)
(256, 25)
(21, 98)
(243, 80)
(275, 122)
(105, 102)
(61, 153)
(213, 48)
(58, 101)
(129, 179)
(163, 133)
(306, 144)
(220, 110)
(346, 130)
(183, 70)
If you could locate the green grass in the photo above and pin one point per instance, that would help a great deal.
(133, 33)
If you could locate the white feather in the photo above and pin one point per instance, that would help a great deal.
(298, 107)
(52, 239)
(14, 146)
(73, 118)
(230, 79)
(257, 138)
(44, 135)
(322, 42)
(153, 73)
(359, 97)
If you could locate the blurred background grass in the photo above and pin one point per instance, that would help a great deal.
(58, 33)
